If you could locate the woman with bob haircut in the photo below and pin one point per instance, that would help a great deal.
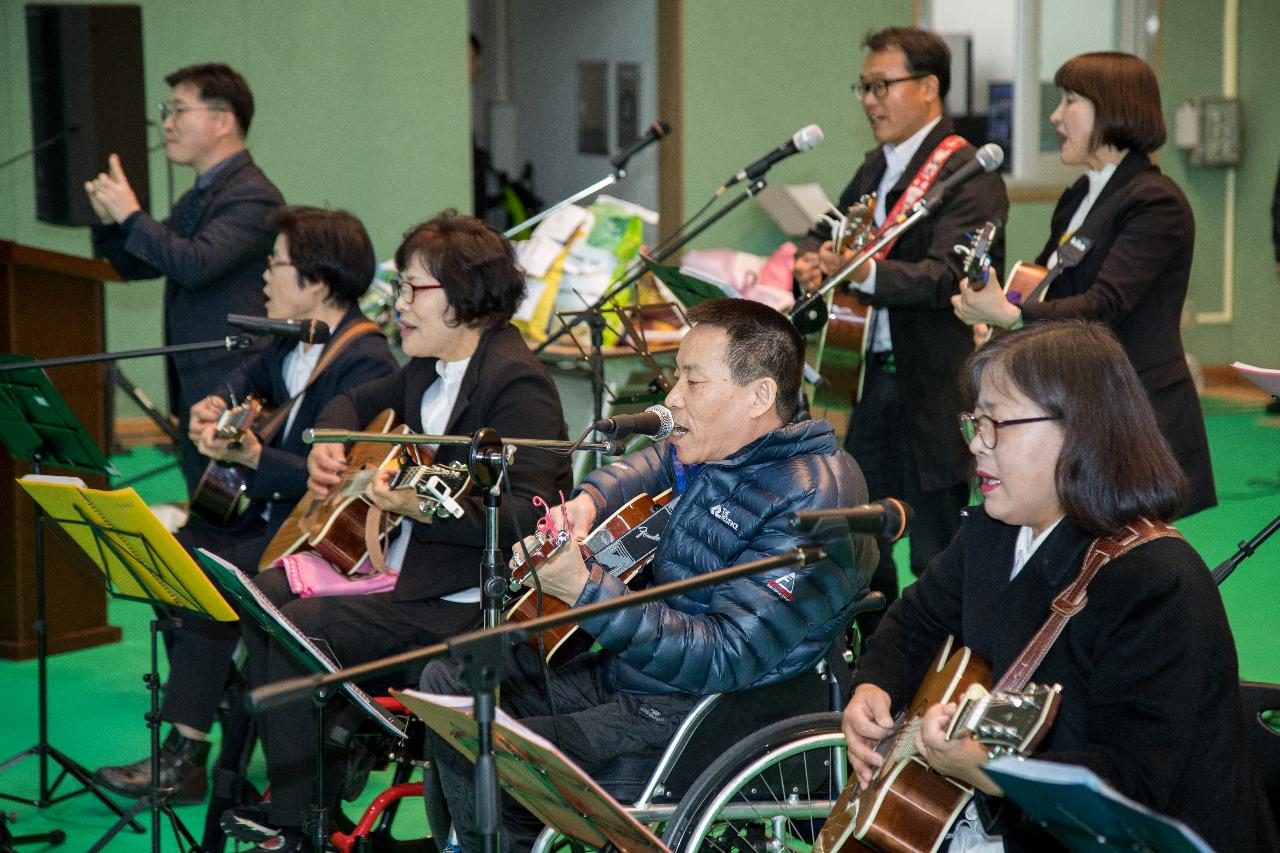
(1134, 275)
(1067, 450)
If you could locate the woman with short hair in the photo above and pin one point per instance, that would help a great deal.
(1067, 451)
(1141, 231)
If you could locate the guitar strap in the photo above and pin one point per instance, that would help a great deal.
(1070, 601)
(921, 183)
(332, 350)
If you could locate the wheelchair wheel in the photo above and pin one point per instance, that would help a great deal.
(769, 792)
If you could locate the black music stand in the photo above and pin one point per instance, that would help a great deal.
(37, 427)
(1084, 813)
(279, 627)
(140, 561)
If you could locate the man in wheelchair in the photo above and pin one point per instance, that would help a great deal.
(738, 468)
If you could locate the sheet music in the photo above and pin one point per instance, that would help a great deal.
(238, 584)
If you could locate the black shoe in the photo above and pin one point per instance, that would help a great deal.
(237, 825)
(182, 770)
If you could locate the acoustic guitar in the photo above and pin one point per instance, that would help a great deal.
(1028, 283)
(909, 807)
(335, 527)
(219, 497)
(623, 545)
(843, 346)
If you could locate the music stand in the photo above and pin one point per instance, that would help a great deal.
(38, 427)
(140, 561)
(539, 776)
(1086, 814)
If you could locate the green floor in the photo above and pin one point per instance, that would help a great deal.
(97, 697)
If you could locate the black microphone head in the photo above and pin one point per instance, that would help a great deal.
(898, 517)
(660, 128)
(317, 333)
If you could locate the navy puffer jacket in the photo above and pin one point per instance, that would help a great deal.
(752, 631)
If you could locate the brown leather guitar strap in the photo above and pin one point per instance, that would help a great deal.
(1070, 601)
(332, 350)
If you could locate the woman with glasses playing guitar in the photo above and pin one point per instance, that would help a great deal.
(321, 263)
(1069, 460)
(1137, 233)
(469, 367)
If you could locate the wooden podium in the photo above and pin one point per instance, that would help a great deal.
(51, 305)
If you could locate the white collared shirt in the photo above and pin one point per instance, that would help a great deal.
(437, 405)
(1097, 182)
(297, 367)
(896, 159)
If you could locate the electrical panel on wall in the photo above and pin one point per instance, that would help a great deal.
(1208, 129)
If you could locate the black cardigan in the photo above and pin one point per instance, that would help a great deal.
(504, 388)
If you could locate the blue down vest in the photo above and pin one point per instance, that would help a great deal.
(752, 631)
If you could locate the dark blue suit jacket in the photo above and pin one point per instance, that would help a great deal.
(211, 250)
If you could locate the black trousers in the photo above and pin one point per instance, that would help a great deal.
(878, 440)
(594, 725)
(200, 650)
(352, 629)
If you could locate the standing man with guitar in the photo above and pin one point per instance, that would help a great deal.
(1071, 463)
(470, 368)
(916, 346)
(321, 264)
(739, 468)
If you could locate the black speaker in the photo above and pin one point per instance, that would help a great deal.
(88, 100)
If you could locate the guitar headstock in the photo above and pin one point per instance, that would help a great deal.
(977, 255)
(234, 421)
(545, 546)
(1006, 722)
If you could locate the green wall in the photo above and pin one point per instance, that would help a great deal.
(364, 105)
(361, 105)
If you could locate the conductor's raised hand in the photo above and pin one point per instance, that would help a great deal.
(110, 192)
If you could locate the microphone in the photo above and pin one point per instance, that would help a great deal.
(656, 131)
(307, 331)
(988, 159)
(655, 422)
(802, 140)
(889, 519)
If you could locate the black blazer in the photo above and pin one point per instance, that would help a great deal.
(1134, 278)
(281, 478)
(917, 282)
(212, 249)
(1150, 681)
(504, 388)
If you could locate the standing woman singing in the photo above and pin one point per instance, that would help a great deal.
(1134, 276)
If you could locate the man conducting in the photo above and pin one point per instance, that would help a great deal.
(212, 248)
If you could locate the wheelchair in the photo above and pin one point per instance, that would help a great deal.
(714, 789)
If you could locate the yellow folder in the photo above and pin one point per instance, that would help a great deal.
(126, 541)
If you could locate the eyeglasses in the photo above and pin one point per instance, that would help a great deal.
(880, 88)
(273, 262)
(168, 108)
(406, 289)
(988, 428)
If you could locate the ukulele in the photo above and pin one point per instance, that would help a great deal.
(219, 497)
(623, 545)
(335, 527)
(909, 807)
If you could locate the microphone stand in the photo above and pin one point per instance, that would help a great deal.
(486, 460)
(591, 314)
(904, 223)
(1244, 550)
(481, 653)
(231, 343)
(611, 179)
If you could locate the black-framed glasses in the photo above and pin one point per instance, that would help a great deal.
(406, 289)
(168, 108)
(988, 428)
(880, 88)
